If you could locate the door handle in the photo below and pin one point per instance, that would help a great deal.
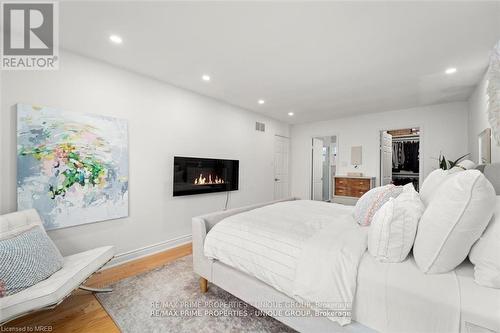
(276, 179)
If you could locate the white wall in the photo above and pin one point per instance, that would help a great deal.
(478, 122)
(444, 129)
(163, 121)
(3, 157)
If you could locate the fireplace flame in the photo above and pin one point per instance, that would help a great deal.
(202, 180)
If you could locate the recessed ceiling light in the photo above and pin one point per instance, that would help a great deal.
(205, 77)
(290, 114)
(451, 70)
(116, 39)
(261, 101)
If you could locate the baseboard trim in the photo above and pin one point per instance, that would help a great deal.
(151, 257)
(125, 257)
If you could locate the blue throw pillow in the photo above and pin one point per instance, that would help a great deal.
(26, 259)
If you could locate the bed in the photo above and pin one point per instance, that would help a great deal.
(258, 253)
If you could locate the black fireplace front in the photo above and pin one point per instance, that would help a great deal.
(194, 175)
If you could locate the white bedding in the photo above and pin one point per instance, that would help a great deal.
(327, 268)
(398, 297)
(309, 250)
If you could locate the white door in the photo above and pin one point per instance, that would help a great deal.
(317, 169)
(385, 158)
(281, 182)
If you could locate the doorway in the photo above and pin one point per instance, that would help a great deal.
(400, 157)
(323, 167)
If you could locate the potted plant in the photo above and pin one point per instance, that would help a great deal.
(448, 164)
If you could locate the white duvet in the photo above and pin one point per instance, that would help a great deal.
(309, 250)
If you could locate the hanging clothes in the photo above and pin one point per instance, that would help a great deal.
(405, 156)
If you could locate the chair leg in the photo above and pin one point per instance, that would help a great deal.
(96, 290)
(203, 285)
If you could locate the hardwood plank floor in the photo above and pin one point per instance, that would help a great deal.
(81, 312)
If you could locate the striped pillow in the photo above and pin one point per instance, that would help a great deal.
(27, 258)
(371, 201)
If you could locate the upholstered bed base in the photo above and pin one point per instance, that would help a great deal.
(248, 288)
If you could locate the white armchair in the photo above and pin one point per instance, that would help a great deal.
(51, 292)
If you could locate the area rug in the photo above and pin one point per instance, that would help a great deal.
(168, 299)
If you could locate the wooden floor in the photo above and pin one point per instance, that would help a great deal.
(81, 312)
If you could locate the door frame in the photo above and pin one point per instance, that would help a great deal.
(381, 139)
(310, 168)
(421, 155)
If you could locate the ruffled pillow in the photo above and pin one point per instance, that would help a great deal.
(371, 201)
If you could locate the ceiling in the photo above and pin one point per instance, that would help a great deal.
(319, 60)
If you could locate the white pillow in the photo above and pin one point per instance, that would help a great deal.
(431, 183)
(485, 254)
(392, 231)
(454, 219)
(437, 177)
(467, 165)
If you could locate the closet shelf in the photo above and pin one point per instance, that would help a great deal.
(412, 175)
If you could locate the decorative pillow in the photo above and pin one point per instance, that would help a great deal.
(26, 259)
(485, 254)
(371, 201)
(467, 165)
(392, 231)
(431, 183)
(454, 219)
(437, 177)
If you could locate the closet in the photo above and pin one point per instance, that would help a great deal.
(403, 148)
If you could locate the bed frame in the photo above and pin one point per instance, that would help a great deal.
(246, 287)
(253, 291)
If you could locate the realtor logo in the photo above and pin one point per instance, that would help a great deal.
(30, 36)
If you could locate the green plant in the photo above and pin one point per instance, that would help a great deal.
(448, 164)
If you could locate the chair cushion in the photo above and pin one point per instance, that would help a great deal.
(26, 259)
(76, 269)
(17, 222)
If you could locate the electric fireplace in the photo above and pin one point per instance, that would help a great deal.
(194, 175)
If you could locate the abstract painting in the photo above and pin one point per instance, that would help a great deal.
(72, 168)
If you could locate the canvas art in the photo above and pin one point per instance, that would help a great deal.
(72, 168)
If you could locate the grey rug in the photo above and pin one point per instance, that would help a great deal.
(168, 299)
